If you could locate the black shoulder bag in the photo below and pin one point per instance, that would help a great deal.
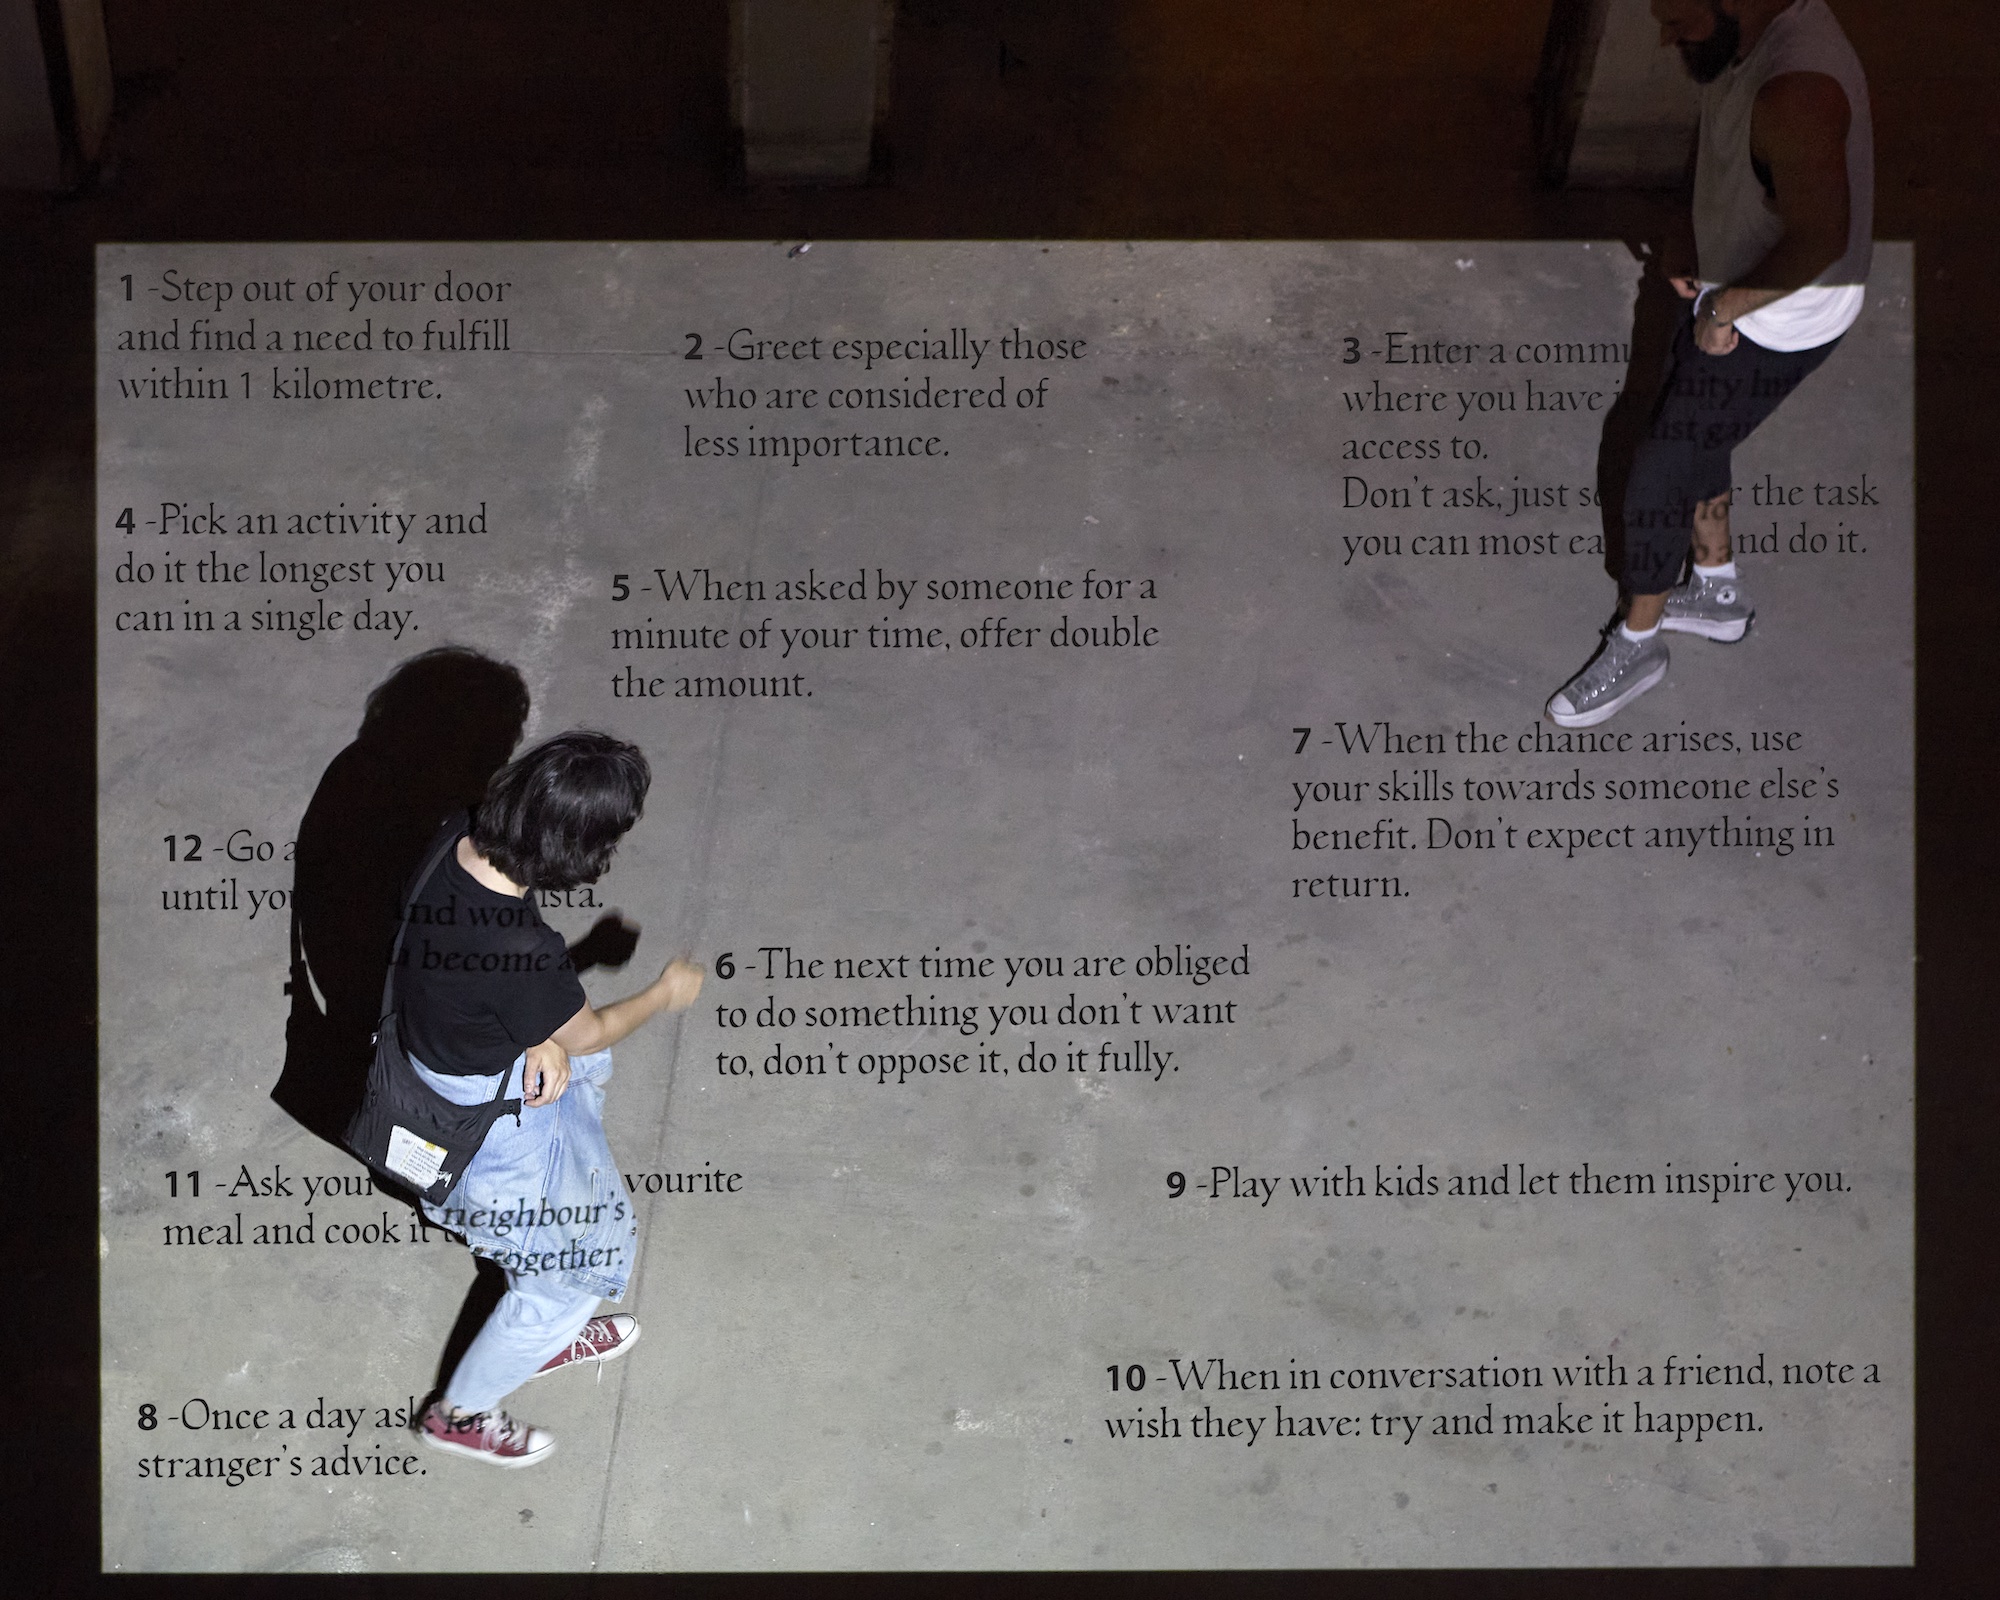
(405, 1130)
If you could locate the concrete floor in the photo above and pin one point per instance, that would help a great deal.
(213, 141)
(886, 1348)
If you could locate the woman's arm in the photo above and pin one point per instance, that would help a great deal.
(594, 1029)
(546, 1073)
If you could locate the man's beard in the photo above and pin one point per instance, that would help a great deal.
(1709, 58)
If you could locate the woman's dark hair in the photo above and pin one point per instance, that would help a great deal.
(552, 817)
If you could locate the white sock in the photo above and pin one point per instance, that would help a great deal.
(1638, 638)
(1726, 570)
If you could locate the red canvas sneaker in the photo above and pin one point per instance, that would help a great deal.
(491, 1436)
(602, 1339)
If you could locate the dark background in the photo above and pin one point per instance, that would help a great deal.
(501, 119)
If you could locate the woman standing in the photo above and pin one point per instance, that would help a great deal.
(488, 1005)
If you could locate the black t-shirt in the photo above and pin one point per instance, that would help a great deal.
(481, 976)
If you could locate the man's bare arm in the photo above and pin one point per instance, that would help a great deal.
(1798, 131)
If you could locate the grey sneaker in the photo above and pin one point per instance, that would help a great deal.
(1621, 671)
(1715, 608)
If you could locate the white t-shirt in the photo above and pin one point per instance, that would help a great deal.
(1735, 224)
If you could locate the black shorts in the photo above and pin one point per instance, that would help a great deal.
(1707, 406)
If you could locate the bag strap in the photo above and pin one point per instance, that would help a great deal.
(403, 922)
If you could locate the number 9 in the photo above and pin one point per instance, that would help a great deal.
(1176, 1185)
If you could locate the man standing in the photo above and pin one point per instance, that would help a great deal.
(1783, 224)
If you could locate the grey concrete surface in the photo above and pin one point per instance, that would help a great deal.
(890, 1347)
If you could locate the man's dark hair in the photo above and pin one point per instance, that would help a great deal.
(552, 817)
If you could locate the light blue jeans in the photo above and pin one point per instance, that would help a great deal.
(544, 1201)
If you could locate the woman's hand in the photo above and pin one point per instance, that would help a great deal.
(545, 1075)
(679, 984)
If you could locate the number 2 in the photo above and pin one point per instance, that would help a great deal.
(693, 352)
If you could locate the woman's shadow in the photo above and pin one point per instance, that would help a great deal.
(431, 734)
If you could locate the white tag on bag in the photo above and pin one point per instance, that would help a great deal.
(415, 1159)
